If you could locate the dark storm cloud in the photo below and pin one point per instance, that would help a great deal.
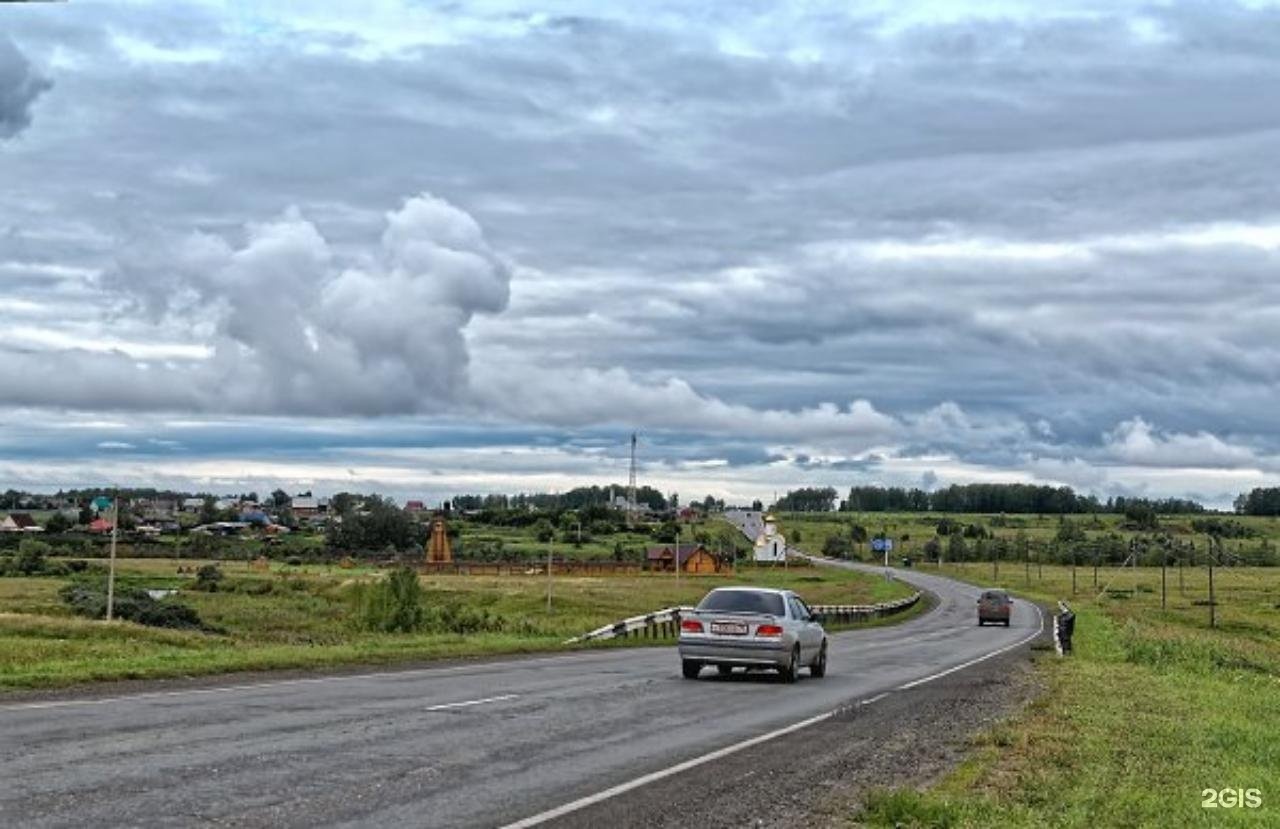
(20, 86)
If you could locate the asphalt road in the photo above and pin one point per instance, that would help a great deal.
(478, 744)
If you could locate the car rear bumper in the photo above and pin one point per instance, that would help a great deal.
(775, 653)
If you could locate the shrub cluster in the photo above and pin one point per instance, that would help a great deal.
(398, 604)
(31, 559)
(132, 605)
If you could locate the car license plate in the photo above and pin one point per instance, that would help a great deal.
(733, 628)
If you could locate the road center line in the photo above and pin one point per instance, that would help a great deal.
(468, 703)
(653, 777)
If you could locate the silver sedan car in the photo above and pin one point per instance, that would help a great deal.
(752, 627)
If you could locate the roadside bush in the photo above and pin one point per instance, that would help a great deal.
(1222, 527)
(666, 532)
(543, 531)
(131, 605)
(398, 604)
(207, 578)
(453, 618)
(30, 559)
(394, 605)
(253, 587)
(837, 546)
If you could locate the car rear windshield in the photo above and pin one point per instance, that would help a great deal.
(743, 601)
(993, 597)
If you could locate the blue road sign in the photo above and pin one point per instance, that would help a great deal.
(882, 545)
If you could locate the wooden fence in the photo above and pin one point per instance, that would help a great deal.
(530, 568)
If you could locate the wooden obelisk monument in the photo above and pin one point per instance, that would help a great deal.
(438, 548)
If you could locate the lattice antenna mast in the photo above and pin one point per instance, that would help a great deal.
(631, 485)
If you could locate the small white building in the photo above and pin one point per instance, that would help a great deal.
(770, 545)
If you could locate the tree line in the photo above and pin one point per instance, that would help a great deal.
(987, 498)
(577, 498)
(1259, 501)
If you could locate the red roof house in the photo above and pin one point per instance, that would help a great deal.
(100, 525)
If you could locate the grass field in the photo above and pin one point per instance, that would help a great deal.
(302, 617)
(910, 531)
(1153, 707)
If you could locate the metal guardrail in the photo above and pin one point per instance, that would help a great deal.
(659, 623)
(664, 623)
(860, 613)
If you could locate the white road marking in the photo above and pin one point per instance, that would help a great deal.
(653, 777)
(876, 698)
(468, 703)
(1039, 629)
(581, 803)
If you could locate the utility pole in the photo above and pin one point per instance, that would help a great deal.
(550, 543)
(1164, 561)
(1213, 605)
(111, 571)
(677, 555)
(631, 485)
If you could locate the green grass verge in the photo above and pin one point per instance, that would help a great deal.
(1152, 708)
(302, 618)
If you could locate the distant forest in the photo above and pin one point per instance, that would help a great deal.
(991, 498)
(1259, 501)
(577, 498)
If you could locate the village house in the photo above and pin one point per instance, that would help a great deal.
(155, 510)
(694, 558)
(20, 522)
(100, 525)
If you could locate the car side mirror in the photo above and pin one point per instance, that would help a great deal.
(816, 617)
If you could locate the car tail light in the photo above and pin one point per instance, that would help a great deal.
(690, 626)
(769, 630)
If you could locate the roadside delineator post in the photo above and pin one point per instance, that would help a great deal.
(1064, 625)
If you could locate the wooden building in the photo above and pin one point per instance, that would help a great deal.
(694, 558)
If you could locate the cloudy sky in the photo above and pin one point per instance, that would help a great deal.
(424, 248)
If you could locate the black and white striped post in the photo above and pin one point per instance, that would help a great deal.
(1064, 625)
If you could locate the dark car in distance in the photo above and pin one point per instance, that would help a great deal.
(995, 606)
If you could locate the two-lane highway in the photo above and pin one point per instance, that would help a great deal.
(478, 744)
